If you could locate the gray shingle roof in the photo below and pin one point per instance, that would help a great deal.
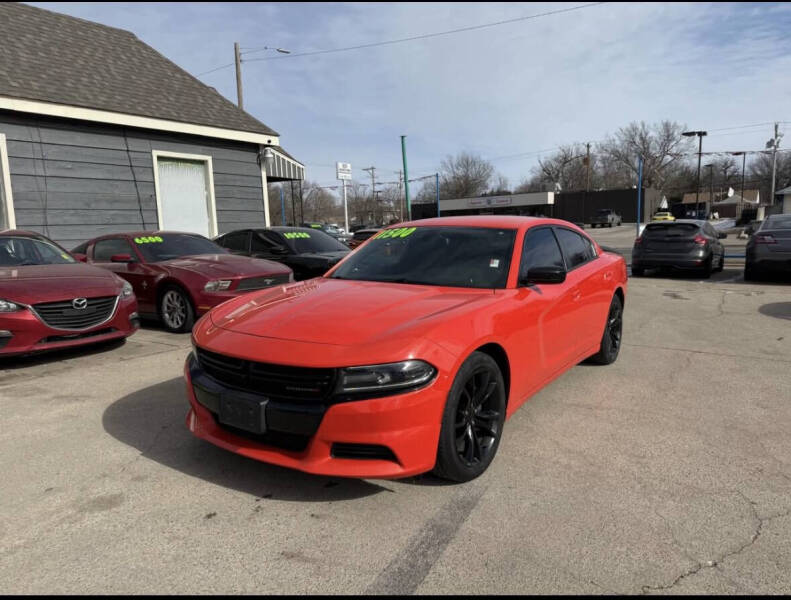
(51, 57)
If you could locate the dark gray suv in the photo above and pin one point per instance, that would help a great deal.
(685, 244)
(769, 249)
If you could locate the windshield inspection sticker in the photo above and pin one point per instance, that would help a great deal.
(400, 232)
(296, 234)
(494, 263)
(154, 239)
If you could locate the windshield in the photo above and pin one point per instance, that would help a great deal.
(777, 222)
(308, 241)
(20, 252)
(474, 257)
(165, 246)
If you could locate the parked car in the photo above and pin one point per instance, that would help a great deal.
(409, 355)
(361, 235)
(329, 230)
(680, 244)
(663, 216)
(49, 300)
(307, 252)
(605, 217)
(768, 250)
(179, 276)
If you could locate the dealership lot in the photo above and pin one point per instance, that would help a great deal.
(668, 469)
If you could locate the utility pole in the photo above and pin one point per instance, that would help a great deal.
(238, 60)
(406, 178)
(587, 167)
(700, 135)
(774, 143)
(400, 200)
(372, 171)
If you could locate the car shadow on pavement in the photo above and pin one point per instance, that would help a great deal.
(152, 420)
(43, 358)
(779, 310)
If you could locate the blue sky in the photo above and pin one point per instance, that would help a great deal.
(512, 89)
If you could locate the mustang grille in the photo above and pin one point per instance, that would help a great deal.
(63, 315)
(276, 381)
(259, 283)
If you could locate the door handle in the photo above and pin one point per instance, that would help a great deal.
(576, 294)
(607, 276)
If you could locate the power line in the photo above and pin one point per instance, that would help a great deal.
(411, 38)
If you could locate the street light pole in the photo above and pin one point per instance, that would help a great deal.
(700, 135)
(710, 167)
(744, 164)
(238, 60)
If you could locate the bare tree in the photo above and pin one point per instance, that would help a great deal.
(563, 169)
(661, 145)
(464, 176)
(760, 173)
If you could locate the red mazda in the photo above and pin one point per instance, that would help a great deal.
(410, 354)
(177, 276)
(48, 300)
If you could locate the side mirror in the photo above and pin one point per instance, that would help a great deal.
(280, 250)
(722, 235)
(80, 257)
(544, 275)
(121, 258)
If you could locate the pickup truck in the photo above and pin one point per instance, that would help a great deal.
(605, 216)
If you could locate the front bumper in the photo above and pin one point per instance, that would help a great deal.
(302, 437)
(23, 333)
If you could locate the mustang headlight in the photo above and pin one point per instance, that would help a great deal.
(127, 290)
(382, 378)
(218, 285)
(6, 306)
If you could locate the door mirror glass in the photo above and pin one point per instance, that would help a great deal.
(80, 257)
(121, 258)
(544, 275)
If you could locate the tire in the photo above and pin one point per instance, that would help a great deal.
(751, 273)
(465, 456)
(638, 272)
(609, 225)
(612, 336)
(708, 268)
(721, 264)
(175, 310)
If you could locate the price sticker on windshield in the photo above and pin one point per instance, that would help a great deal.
(399, 232)
(296, 234)
(153, 239)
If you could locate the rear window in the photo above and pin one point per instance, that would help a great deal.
(665, 229)
(777, 222)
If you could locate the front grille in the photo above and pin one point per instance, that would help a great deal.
(63, 315)
(259, 283)
(301, 384)
(78, 336)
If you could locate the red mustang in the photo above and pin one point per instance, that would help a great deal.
(48, 300)
(177, 276)
(408, 355)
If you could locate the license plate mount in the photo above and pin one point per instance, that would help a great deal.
(243, 411)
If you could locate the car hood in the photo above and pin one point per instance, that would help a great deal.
(342, 312)
(50, 283)
(215, 266)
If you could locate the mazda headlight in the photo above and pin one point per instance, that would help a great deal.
(218, 285)
(6, 306)
(126, 290)
(382, 378)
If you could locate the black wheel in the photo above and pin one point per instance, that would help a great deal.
(708, 267)
(609, 225)
(751, 273)
(638, 272)
(472, 423)
(721, 264)
(175, 310)
(611, 339)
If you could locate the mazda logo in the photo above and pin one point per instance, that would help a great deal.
(80, 303)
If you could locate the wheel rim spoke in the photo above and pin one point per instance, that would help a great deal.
(476, 422)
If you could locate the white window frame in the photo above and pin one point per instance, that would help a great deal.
(8, 196)
(207, 162)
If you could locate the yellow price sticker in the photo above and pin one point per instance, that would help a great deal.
(153, 239)
(398, 232)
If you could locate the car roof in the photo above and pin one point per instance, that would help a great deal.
(24, 233)
(499, 221)
(143, 233)
(285, 228)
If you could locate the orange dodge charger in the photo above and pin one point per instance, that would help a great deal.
(409, 355)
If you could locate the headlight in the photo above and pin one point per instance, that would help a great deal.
(391, 376)
(127, 290)
(8, 307)
(217, 285)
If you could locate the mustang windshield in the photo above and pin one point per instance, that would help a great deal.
(20, 252)
(165, 246)
(473, 257)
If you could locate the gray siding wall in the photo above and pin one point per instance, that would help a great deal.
(74, 180)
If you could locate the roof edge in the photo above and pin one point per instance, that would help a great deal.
(67, 111)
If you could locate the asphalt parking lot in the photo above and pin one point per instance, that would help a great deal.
(668, 471)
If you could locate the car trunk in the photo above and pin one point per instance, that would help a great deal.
(670, 238)
(782, 239)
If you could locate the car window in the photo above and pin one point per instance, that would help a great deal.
(236, 241)
(540, 249)
(264, 241)
(81, 249)
(777, 222)
(577, 250)
(308, 241)
(19, 252)
(103, 250)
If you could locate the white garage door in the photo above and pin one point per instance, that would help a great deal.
(184, 196)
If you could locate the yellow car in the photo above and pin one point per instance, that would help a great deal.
(663, 216)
